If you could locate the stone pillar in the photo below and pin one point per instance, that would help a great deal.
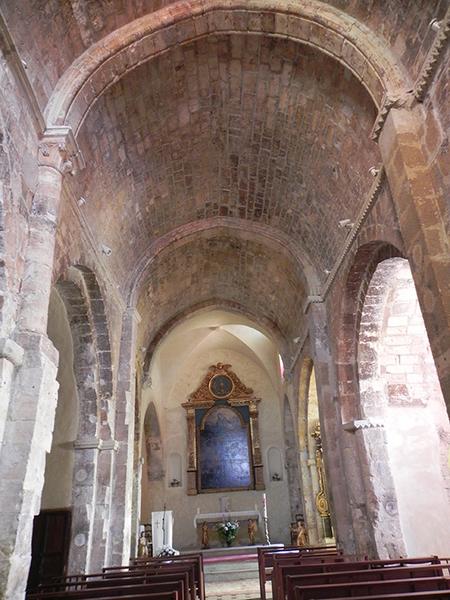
(192, 453)
(11, 356)
(330, 424)
(27, 432)
(258, 470)
(119, 536)
(383, 521)
(105, 458)
(83, 503)
(421, 205)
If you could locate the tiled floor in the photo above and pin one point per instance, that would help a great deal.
(235, 590)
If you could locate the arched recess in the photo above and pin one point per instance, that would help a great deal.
(153, 449)
(89, 361)
(400, 391)
(311, 457)
(152, 453)
(293, 478)
(371, 489)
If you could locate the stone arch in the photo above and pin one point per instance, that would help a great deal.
(314, 24)
(400, 391)
(93, 375)
(371, 490)
(308, 419)
(358, 278)
(5, 173)
(269, 327)
(248, 230)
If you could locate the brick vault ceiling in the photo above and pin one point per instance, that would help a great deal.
(212, 269)
(235, 126)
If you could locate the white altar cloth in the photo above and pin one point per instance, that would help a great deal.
(235, 515)
(160, 537)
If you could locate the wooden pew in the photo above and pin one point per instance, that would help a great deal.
(178, 585)
(295, 566)
(196, 557)
(429, 595)
(193, 564)
(266, 554)
(371, 588)
(283, 563)
(386, 574)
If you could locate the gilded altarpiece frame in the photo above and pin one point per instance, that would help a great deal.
(221, 394)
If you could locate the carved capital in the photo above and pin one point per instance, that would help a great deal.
(91, 443)
(109, 445)
(11, 351)
(59, 149)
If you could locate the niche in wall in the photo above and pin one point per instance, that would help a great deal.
(275, 464)
(174, 470)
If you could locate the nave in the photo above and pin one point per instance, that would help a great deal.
(224, 292)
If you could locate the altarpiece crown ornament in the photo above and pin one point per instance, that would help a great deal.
(224, 452)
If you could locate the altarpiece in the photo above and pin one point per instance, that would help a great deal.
(224, 452)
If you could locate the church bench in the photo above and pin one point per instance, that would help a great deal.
(370, 588)
(178, 585)
(428, 595)
(386, 574)
(283, 564)
(160, 595)
(168, 573)
(266, 554)
(193, 564)
(196, 557)
(294, 566)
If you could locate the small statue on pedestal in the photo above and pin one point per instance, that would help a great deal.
(142, 547)
(252, 528)
(302, 535)
(205, 536)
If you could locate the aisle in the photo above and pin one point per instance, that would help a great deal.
(247, 589)
(232, 574)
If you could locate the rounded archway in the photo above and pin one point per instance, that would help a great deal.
(311, 457)
(400, 392)
(180, 362)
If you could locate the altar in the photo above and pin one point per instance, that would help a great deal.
(205, 524)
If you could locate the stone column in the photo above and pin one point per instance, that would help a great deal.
(27, 432)
(383, 521)
(421, 205)
(11, 357)
(119, 535)
(256, 446)
(105, 458)
(330, 424)
(192, 452)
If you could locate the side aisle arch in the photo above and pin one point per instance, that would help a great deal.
(93, 375)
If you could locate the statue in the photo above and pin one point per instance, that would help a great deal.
(294, 533)
(142, 547)
(205, 535)
(302, 535)
(252, 529)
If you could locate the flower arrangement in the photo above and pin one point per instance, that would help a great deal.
(227, 531)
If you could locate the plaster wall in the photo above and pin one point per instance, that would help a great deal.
(174, 435)
(57, 492)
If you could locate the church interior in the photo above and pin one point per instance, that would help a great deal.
(224, 299)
